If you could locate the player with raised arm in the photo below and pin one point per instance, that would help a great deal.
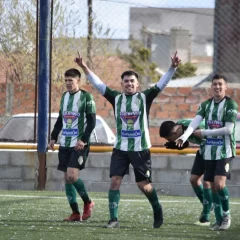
(132, 146)
(219, 113)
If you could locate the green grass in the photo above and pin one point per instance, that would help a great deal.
(38, 215)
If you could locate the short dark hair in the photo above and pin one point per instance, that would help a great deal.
(72, 72)
(166, 128)
(219, 76)
(129, 73)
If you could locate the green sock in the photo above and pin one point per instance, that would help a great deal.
(224, 198)
(113, 200)
(72, 197)
(217, 207)
(79, 185)
(153, 199)
(199, 192)
(207, 202)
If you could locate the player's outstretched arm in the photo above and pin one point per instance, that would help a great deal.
(192, 126)
(164, 80)
(94, 79)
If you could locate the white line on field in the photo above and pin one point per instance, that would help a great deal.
(105, 199)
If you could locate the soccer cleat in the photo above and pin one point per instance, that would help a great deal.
(87, 210)
(203, 224)
(113, 223)
(215, 226)
(73, 217)
(226, 222)
(203, 221)
(158, 218)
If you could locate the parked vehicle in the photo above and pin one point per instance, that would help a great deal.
(20, 128)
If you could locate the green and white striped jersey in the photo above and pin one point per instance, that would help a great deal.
(216, 115)
(131, 114)
(74, 108)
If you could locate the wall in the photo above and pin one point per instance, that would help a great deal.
(172, 103)
(19, 171)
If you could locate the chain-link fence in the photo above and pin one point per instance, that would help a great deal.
(112, 35)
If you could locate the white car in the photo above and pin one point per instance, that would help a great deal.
(20, 129)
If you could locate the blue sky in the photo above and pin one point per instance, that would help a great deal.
(114, 14)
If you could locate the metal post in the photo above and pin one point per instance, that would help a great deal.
(43, 89)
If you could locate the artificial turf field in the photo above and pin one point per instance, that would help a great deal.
(35, 215)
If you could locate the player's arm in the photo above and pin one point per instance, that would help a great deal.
(90, 118)
(192, 126)
(57, 127)
(56, 130)
(164, 80)
(230, 119)
(94, 79)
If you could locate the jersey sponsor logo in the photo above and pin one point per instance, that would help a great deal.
(232, 111)
(214, 141)
(70, 117)
(131, 133)
(130, 117)
(70, 132)
(214, 124)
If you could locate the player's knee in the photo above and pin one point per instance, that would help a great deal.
(195, 180)
(219, 186)
(145, 187)
(115, 182)
(71, 179)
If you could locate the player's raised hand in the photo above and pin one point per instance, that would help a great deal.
(175, 60)
(79, 60)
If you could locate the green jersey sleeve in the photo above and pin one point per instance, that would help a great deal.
(111, 94)
(90, 104)
(231, 111)
(151, 93)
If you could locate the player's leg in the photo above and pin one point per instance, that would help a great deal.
(209, 175)
(222, 173)
(202, 190)
(207, 200)
(196, 176)
(64, 156)
(119, 166)
(77, 162)
(141, 162)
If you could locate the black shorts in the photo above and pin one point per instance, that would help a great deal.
(70, 158)
(217, 168)
(141, 162)
(198, 167)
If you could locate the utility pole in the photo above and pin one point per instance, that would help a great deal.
(90, 34)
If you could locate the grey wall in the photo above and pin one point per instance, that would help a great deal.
(19, 171)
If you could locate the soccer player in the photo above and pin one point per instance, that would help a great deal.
(131, 111)
(76, 120)
(220, 113)
(172, 131)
